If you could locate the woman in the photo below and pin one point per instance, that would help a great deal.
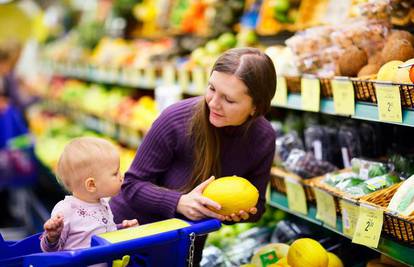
(221, 134)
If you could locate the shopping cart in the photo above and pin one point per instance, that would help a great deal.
(162, 244)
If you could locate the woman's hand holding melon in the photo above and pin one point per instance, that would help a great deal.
(236, 196)
(194, 205)
(242, 215)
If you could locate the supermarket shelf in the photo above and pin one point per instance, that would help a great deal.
(124, 134)
(363, 110)
(386, 246)
(111, 76)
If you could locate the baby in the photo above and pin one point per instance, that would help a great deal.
(89, 169)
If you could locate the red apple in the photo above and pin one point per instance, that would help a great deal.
(412, 73)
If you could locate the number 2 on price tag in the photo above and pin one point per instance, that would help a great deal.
(369, 226)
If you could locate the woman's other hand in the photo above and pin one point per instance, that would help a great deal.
(129, 223)
(194, 205)
(241, 215)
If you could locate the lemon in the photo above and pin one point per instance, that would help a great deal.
(233, 193)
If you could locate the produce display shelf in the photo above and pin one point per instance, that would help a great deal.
(363, 110)
(108, 77)
(390, 248)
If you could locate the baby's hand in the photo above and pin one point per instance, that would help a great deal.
(129, 223)
(53, 228)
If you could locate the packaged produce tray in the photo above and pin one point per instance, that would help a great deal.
(396, 226)
(277, 181)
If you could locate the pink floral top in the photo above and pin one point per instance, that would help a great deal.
(81, 221)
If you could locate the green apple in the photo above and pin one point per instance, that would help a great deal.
(227, 40)
(281, 5)
(213, 47)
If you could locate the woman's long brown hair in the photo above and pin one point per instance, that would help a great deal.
(257, 72)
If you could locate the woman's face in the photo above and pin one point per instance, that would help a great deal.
(228, 101)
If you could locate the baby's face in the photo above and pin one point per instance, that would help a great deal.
(109, 180)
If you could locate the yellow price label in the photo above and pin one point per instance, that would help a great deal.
(310, 91)
(183, 78)
(280, 98)
(296, 196)
(389, 103)
(198, 80)
(325, 208)
(150, 75)
(369, 226)
(350, 212)
(343, 97)
(168, 75)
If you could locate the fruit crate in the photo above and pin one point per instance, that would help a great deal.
(396, 226)
(365, 91)
(326, 87)
(293, 84)
(277, 181)
(318, 182)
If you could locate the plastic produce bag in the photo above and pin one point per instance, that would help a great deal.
(322, 141)
(348, 138)
(212, 257)
(285, 144)
(306, 165)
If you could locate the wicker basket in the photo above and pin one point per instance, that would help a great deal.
(326, 87)
(365, 91)
(317, 182)
(396, 226)
(293, 84)
(277, 181)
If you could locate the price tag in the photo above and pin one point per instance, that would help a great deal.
(389, 103)
(350, 212)
(198, 80)
(150, 76)
(296, 196)
(183, 79)
(368, 227)
(343, 96)
(280, 98)
(325, 208)
(310, 94)
(168, 75)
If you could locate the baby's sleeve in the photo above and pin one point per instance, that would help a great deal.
(45, 245)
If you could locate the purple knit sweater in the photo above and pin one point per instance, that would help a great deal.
(164, 162)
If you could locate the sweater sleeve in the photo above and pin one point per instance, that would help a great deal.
(152, 160)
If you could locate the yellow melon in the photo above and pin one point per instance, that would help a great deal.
(306, 252)
(233, 193)
(388, 71)
(334, 261)
(270, 254)
(282, 262)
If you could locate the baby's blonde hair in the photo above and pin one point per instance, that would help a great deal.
(82, 158)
